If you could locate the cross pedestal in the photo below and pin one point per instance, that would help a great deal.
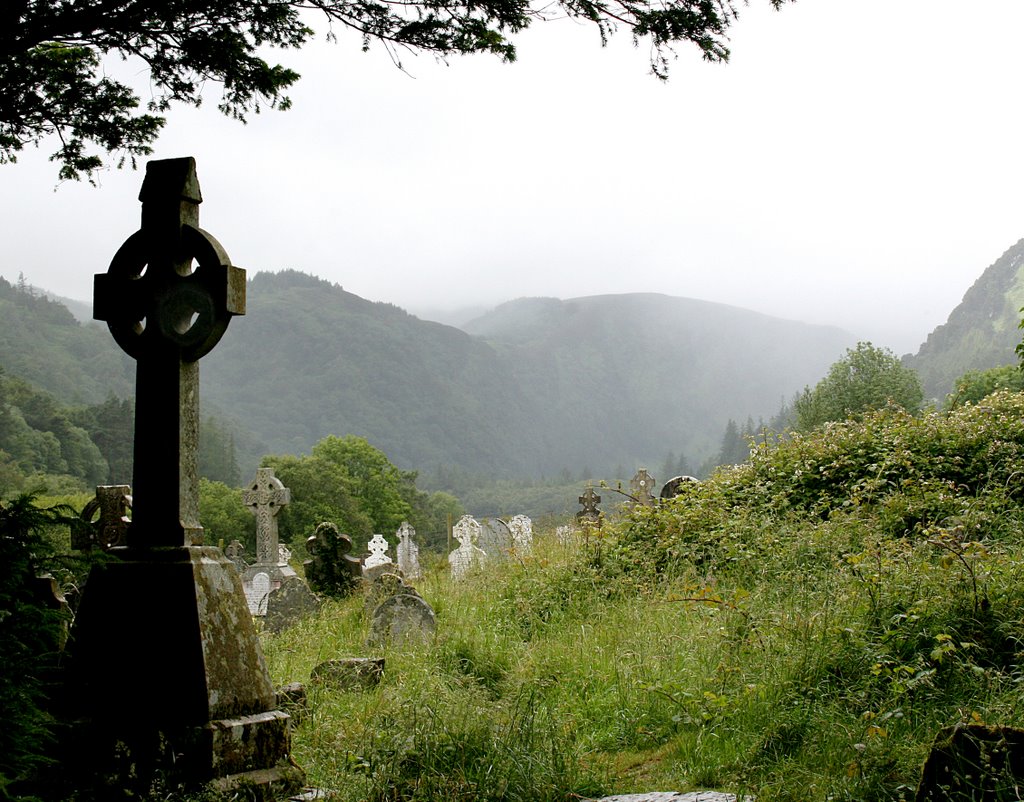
(165, 673)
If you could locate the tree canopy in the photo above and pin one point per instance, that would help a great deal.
(53, 79)
(865, 378)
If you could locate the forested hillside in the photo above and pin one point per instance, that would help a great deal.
(43, 343)
(540, 388)
(981, 332)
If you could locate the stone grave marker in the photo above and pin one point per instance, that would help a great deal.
(235, 552)
(265, 497)
(113, 503)
(674, 486)
(383, 588)
(641, 487)
(378, 547)
(468, 556)
(495, 539)
(565, 535)
(331, 569)
(590, 515)
(402, 619)
(290, 603)
(256, 592)
(408, 552)
(521, 529)
(165, 669)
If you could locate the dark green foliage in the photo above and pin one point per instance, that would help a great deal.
(30, 635)
(217, 460)
(975, 385)
(37, 436)
(53, 79)
(352, 484)
(866, 378)
(111, 426)
(42, 343)
(224, 517)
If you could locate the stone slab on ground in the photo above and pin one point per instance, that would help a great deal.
(675, 796)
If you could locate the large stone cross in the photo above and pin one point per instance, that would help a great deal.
(265, 497)
(167, 298)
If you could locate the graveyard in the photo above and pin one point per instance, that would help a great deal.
(837, 617)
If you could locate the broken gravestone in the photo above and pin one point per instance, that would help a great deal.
(166, 676)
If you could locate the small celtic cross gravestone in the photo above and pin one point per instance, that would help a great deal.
(589, 501)
(167, 313)
(641, 487)
(265, 497)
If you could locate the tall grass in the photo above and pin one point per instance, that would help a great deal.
(799, 628)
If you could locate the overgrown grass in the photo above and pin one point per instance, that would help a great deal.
(798, 628)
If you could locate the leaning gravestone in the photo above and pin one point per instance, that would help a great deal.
(495, 539)
(674, 486)
(468, 556)
(166, 676)
(408, 552)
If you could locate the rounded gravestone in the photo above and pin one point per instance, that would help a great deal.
(401, 619)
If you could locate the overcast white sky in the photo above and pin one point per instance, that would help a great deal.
(858, 162)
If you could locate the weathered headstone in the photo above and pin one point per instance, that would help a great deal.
(495, 539)
(565, 535)
(674, 486)
(235, 552)
(112, 502)
(256, 592)
(331, 569)
(383, 588)
(165, 670)
(468, 556)
(290, 603)
(265, 497)
(402, 619)
(590, 515)
(641, 487)
(521, 528)
(408, 552)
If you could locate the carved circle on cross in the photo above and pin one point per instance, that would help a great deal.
(148, 308)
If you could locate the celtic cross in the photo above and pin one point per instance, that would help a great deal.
(265, 497)
(167, 298)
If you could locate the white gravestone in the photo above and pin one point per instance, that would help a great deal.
(378, 552)
(521, 528)
(256, 592)
(408, 552)
(468, 556)
(265, 496)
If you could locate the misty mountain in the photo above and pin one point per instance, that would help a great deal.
(980, 333)
(531, 388)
